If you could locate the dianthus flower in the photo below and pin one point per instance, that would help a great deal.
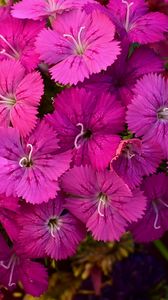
(135, 158)
(88, 124)
(38, 9)
(103, 201)
(19, 96)
(148, 113)
(121, 77)
(155, 221)
(134, 21)
(17, 38)
(54, 232)
(79, 45)
(14, 268)
(30, 168)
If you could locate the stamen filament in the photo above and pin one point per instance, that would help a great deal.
(3, 52)
(9, 45)
(165, 204)
(79, 136)
(102, 202)
(11, 264)
(6, 100)
(128, 5)
(78, 42)
(52, 229)
(26, 159)
(155, 225)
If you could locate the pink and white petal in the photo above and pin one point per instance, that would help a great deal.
(74, 64)
(29, 9)
(30, 89)
(102, 149)
(24, 118)
(149, 28)
(34, 277)
(107, 228)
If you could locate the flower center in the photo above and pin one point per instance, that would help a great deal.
(14, 55)
(102, 198)
(10, 101)
(53, 225)
(155, 207)
(127, 18)
(84, 134)
(162, 114)
(128, 151)
(26, 161)
(79, 47)
(10, 266)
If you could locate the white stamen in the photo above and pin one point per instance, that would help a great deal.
(165, 204)
(155, 225)
(3, 52)
(78, 42)
(9, 45)
(102, 202)
(163, 113)
(6, 100)
(26, 159)
(128, 5)
(11, 265)
(79, 136)
(52, 5)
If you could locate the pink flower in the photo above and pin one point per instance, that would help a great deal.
(121, 77)
(14, 268)
(155, 221)
(20, 96)
(38, 9)
(17, 38)
(136, 158)
(103, 201)
(54, 232)
(30, 168)
(78, 46)
(148, 113)
(89, 125)
(134, 21)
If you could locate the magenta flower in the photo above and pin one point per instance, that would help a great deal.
(121, 77)
(148, 114)
(17, 38)
(133, 20)
(103, 201)
(38, 9)
(155, 221)
(89, 125)
(136, 158)
(79, 45)
(19, 96)
(54, 232)
(30, 168)
(14, 268)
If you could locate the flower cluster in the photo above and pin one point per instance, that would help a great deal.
(97, 163)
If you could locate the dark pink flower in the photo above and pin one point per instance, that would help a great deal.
(17, 38)
(133, 20)
(121, 77)
(20, 96)
(135, 158)
(30, 168)
(148, 113)
(79, 45)
(89, 125)
(38, 9)
(155, 221)
(14, 268)
(103, 201)
(54, 232)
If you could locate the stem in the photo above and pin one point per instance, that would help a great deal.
(161, 248)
